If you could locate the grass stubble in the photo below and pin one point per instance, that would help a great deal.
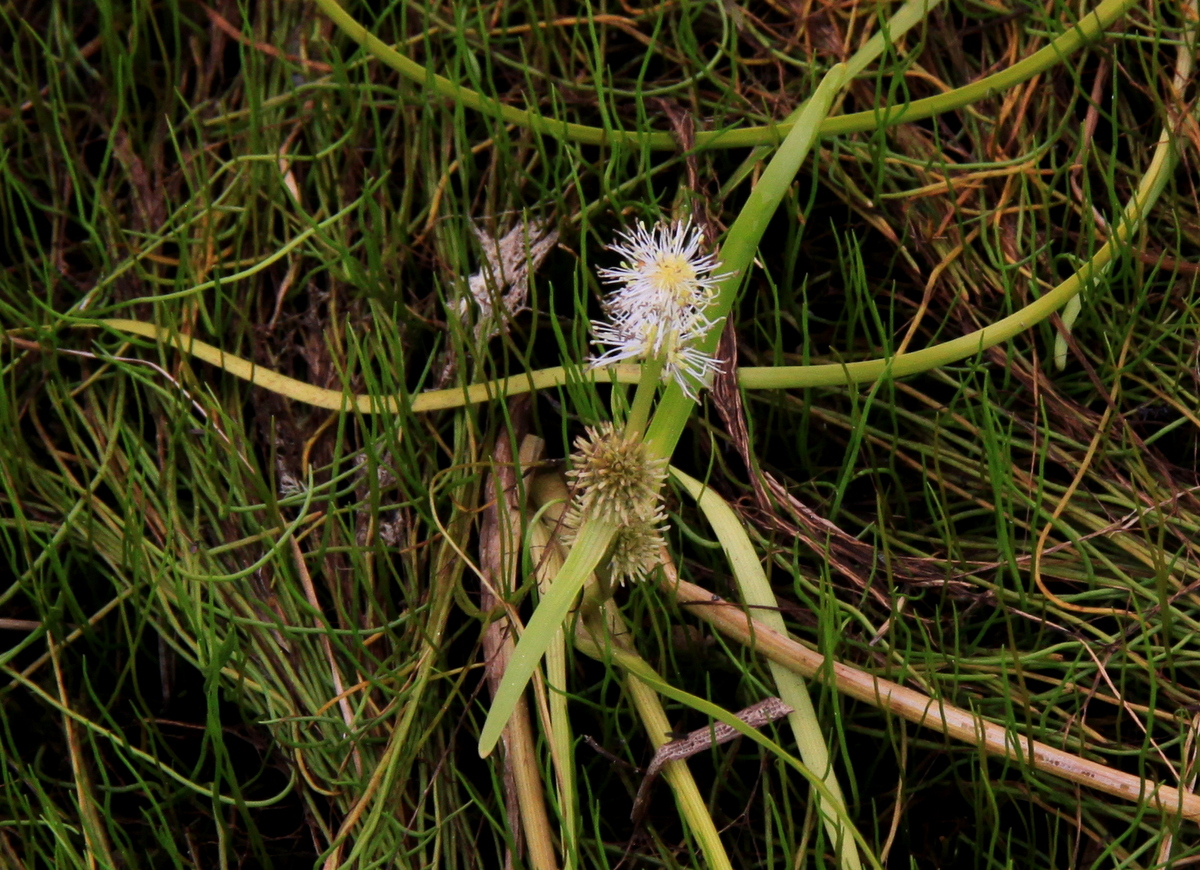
(247, 630)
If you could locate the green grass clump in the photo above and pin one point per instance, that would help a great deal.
(244, 630)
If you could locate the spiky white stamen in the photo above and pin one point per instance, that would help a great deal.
(665, 284)
(642, 338)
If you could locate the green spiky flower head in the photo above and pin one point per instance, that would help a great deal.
(617, 481)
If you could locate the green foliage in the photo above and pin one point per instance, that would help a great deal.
(242, 630)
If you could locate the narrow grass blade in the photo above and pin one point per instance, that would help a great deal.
(757, 593)
(585, 555)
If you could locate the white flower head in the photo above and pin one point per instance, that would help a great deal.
(664, 268)
(642, 337)
(665, 283)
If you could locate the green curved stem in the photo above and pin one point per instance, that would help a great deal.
(1149, 189)
(905, 18)
(338, 400)
(1088, 29)
(757, 593)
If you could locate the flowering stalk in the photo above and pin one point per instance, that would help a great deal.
(639, 412)
(596, 534)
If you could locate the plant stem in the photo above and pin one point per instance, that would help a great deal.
(1089, 28)
(605, 632)
(639, 413)
(930, 712)
(756, 592)
(590, 545)
(551, 489)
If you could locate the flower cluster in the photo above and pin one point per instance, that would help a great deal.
(665, 283)
(616, 481)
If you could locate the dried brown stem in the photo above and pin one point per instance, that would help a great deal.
(729, 618)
